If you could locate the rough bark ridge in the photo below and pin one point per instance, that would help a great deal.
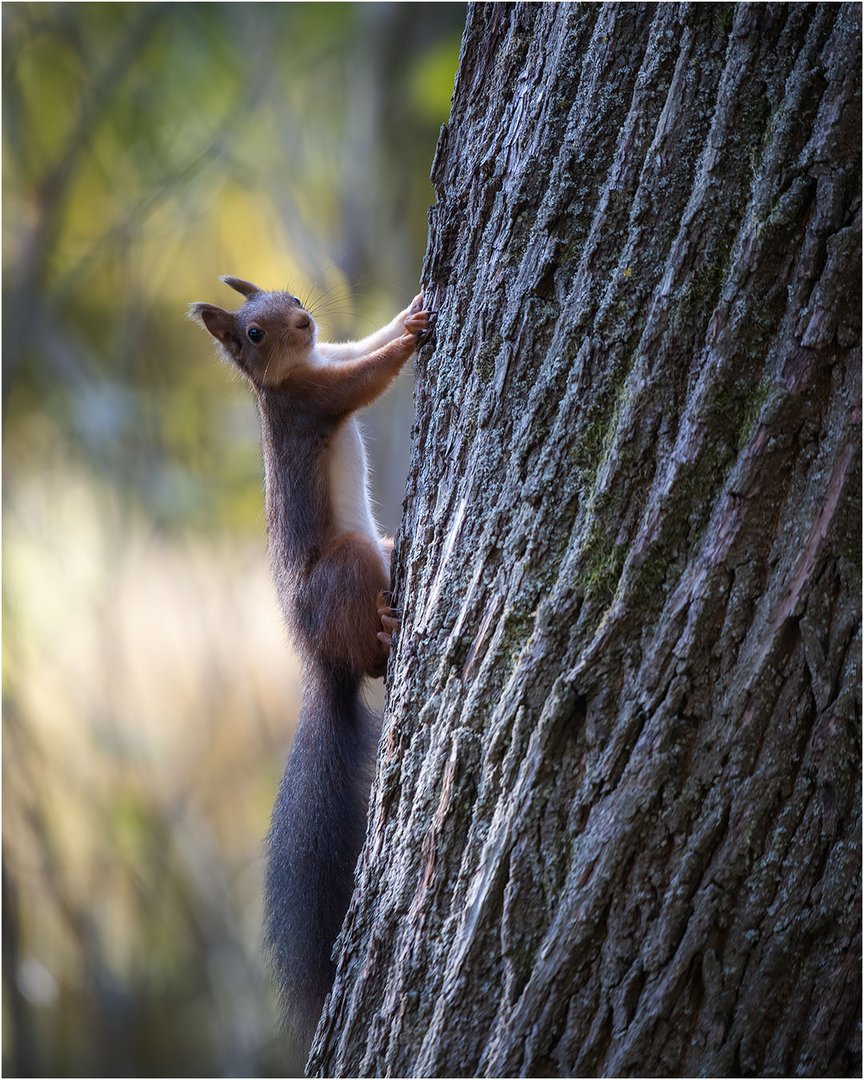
(615, 827)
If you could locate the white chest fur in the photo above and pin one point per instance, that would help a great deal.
(348, 483)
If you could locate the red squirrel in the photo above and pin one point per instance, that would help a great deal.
(332, 574)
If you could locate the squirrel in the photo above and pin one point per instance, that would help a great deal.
(332, 573)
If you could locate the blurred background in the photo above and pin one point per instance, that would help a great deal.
(149, 692)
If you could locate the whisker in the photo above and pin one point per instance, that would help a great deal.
(332, 311)
(315, 295)
(329, 304)
(322, 295)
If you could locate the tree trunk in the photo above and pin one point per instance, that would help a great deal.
(615, 827)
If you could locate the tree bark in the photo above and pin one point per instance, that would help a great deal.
(615, 826)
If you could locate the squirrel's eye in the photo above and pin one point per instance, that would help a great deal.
(296, 300)
(255, 334)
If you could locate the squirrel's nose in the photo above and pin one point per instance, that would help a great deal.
(303, 322)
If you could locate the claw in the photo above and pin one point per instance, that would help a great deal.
(424, 335)
(417, 323)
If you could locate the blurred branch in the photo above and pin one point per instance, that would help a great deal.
(213, 147)
(51, 190)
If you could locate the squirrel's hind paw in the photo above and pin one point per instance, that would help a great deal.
(389, 618)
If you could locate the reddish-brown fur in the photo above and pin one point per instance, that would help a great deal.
(348, 578)
(332, 575)
(340, 389)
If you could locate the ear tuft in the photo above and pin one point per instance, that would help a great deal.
(221, 324)
(239, 285)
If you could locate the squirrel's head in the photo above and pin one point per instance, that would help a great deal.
(268, 337)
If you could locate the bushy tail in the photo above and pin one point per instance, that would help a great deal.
(315, 836)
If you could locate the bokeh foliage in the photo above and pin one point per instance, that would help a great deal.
(149, 694)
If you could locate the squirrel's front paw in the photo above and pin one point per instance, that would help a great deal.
(412, 309)
(419, 326)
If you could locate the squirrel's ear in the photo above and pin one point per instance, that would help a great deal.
(239, 285)
(221, 324)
